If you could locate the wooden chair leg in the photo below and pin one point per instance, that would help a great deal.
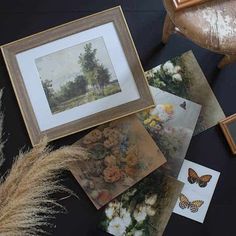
(227, 59)
(168, 29)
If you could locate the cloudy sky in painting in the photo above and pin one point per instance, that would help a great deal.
(62, 66)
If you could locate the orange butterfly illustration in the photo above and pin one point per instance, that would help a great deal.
(185, 203)
(194, 178)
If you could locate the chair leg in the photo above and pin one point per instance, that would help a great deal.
(168, 29)
(227, 59)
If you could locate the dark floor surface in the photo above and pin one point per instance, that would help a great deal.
(19, 18)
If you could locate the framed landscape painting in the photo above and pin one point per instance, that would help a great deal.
(77, 75)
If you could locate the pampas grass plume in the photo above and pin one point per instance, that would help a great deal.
(26, 202)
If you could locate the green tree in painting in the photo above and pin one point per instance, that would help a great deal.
(88, 62)
(72, 89)
(96, 74)
(49, 92)
(81, 84)
(103, 76)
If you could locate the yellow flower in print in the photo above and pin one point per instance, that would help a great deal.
(154, 117)
(153, 124)
(147, 121)
(152, 121)
(168, 108)
(164, 112)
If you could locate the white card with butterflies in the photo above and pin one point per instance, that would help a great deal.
(200, 183)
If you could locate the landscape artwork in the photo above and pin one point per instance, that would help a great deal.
(182, 76)
(171, 124)
(143, 210)
(77, 75)
(120, 154)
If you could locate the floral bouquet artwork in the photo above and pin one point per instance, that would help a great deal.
(171, 124)
(143, 210)
(120, 154)
(183, 77)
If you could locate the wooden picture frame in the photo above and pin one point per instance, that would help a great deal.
(131, 94)
(224, 124)
(181, 4)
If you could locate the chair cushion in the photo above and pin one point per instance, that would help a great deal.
(211, 25)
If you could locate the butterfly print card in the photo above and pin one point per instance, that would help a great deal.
(200, 183)
(198, 178)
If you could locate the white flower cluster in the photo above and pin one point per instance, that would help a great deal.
(146, 208)
(149, 74)
(172, 70)
(120, 218)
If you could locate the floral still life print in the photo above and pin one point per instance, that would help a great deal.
(143, 210)
(182, 76)
(171, 125)
(120, 154)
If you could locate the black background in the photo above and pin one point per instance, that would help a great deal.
(20, 18)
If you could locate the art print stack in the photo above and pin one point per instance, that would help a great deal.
(90, 74)
(123, 151)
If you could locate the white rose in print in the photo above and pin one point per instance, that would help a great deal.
(151, 199)
(138, 233)
(177, 77)
(169, 68)
(116, 227)
(125, 215)
(140, 213)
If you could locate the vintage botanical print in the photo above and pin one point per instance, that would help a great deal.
(143, 210)
(171, 124)
(183, 77)
(120, 154)
(77, 75)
